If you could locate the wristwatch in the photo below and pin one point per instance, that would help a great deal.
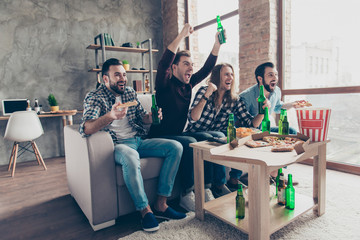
(205, 98)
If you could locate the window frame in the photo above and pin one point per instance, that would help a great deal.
(344, 167)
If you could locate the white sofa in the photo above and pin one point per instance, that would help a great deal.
(97, 183)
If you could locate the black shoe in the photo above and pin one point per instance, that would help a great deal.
(233, 187)
(218, 192)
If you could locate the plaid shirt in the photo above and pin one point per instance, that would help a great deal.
(98, 102)
(210, 121)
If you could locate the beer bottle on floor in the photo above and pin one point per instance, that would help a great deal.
(220, 29)
(265, 125)
(281, 190)
(278, 179)
(240, 203)
(290, 194)
(155, 111)
(261, 100)
(231, 131)
(285, 126)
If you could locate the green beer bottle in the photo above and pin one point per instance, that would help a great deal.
(281, 199)
(261, 100)
(278, 179)
(240, 203)
(221, 30)
(283, 111)
(290, 194)
(231, 131)
(285, 126)
(265, 125)
(155, 111)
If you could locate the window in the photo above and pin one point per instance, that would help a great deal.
(324, 39)
(229, 52)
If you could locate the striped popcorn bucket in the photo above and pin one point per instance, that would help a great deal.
(314, 122)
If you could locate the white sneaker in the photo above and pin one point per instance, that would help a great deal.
(188, 201)
(208, 195)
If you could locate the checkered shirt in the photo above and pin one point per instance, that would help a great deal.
(209, 121)
(98, 102)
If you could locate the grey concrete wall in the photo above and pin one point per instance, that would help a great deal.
(43, 50)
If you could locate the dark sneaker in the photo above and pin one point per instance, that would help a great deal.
(149, 223)
(169, 214)
(233, 187)
(218, 192)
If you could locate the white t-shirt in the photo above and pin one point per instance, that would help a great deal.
(121, 127)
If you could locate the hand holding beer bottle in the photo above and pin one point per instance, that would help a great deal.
(155, 112)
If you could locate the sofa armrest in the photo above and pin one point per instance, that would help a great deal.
(91, 176)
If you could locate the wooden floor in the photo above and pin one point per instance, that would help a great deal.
(36, 204)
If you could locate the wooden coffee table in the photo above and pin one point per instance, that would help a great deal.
(262, 217)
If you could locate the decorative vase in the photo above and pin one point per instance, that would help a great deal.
(127, 67)
(54, 108)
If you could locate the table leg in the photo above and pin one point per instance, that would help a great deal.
(259, 213)
(199, 184)
(70, 119)
(64, 120)
(319, 181)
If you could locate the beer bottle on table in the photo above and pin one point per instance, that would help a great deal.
(28, 108)
(278, 179)
(155, 111)
(281, 199)
(231, 130)
(221, 30)
(290, 194)
(240, 203)
(285, 126)
(283, 111)
(36, 106)
(265, 124)
(261, 100)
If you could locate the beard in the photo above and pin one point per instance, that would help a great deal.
(267, 86)
(115, 87)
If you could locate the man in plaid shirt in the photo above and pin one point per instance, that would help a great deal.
(125, 126)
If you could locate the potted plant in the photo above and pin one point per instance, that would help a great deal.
(53, 103)
(126, 65)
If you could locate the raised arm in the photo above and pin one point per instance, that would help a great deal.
(185, 32)
(198, 109)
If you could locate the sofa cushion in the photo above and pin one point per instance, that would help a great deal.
(150, 168)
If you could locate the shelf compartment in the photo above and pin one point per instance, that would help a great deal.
(120, 49)
(224, 209)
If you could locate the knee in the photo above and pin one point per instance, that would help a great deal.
(175, 147)
(186, 141)
(127, 157)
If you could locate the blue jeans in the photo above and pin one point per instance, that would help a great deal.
(128, 154)
(186, 168)
(214, 173)
(235, 173)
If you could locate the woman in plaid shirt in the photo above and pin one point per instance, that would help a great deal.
(211, 107)
(213, 103)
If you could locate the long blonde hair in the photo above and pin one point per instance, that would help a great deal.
(215, 79)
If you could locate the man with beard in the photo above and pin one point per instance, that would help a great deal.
(174, 82)
(267, 75)
(125, 126)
